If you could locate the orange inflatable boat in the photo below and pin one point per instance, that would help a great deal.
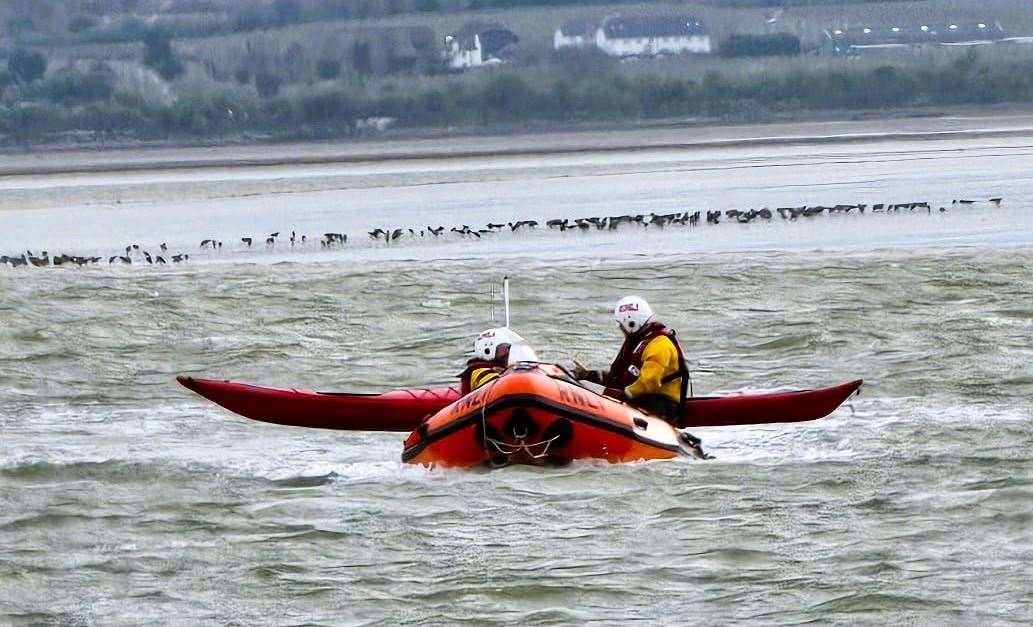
(537, 414)
(533, 414)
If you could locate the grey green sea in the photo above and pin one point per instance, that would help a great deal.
(126, 500)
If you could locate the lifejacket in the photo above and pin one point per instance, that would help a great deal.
(465, 386)
(626, 367)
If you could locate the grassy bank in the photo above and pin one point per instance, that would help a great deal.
(587, 89)
(340, 77)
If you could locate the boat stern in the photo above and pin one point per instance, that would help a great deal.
(535, 414)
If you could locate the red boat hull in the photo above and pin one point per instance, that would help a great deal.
(400, 410)
(404, 410)
(757, 409)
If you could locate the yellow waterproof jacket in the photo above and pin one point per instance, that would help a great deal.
(659, 359)
(481, 376)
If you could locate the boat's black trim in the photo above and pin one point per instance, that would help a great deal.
(535, 402)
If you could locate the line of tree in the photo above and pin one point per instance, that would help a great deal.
(26, 66)
(159, 56)
(749, 45)
(507, 96)
(252, 16)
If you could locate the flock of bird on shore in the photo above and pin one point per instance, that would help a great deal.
(133, 253)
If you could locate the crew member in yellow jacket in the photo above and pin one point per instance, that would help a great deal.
(650, 369)
(660, 373)
(493, 351)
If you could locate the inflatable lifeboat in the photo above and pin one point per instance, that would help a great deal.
(533, 414)
(538, 414)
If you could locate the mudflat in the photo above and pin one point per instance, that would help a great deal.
(972, 122)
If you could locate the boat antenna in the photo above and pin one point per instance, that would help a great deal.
(505, 297)
(492, 296)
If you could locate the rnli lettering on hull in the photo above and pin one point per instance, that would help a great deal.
(473, 400)
(573, 396)
(567, 394)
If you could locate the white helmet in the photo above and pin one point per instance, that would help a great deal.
(632, 313)
(487, 344)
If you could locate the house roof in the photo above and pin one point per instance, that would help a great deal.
(918, 33)
(637, 26)
(579, 27)
(494, 37)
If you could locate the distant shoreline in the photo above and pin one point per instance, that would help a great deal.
(969, 122)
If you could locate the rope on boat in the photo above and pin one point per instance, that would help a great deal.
(511, 449)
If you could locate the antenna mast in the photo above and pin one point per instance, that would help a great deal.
(505, 297)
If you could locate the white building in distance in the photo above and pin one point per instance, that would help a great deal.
(844, 41)
(476, 45)
(577, 33)
(636, 35)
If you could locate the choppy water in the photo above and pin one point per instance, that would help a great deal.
(124, 500)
